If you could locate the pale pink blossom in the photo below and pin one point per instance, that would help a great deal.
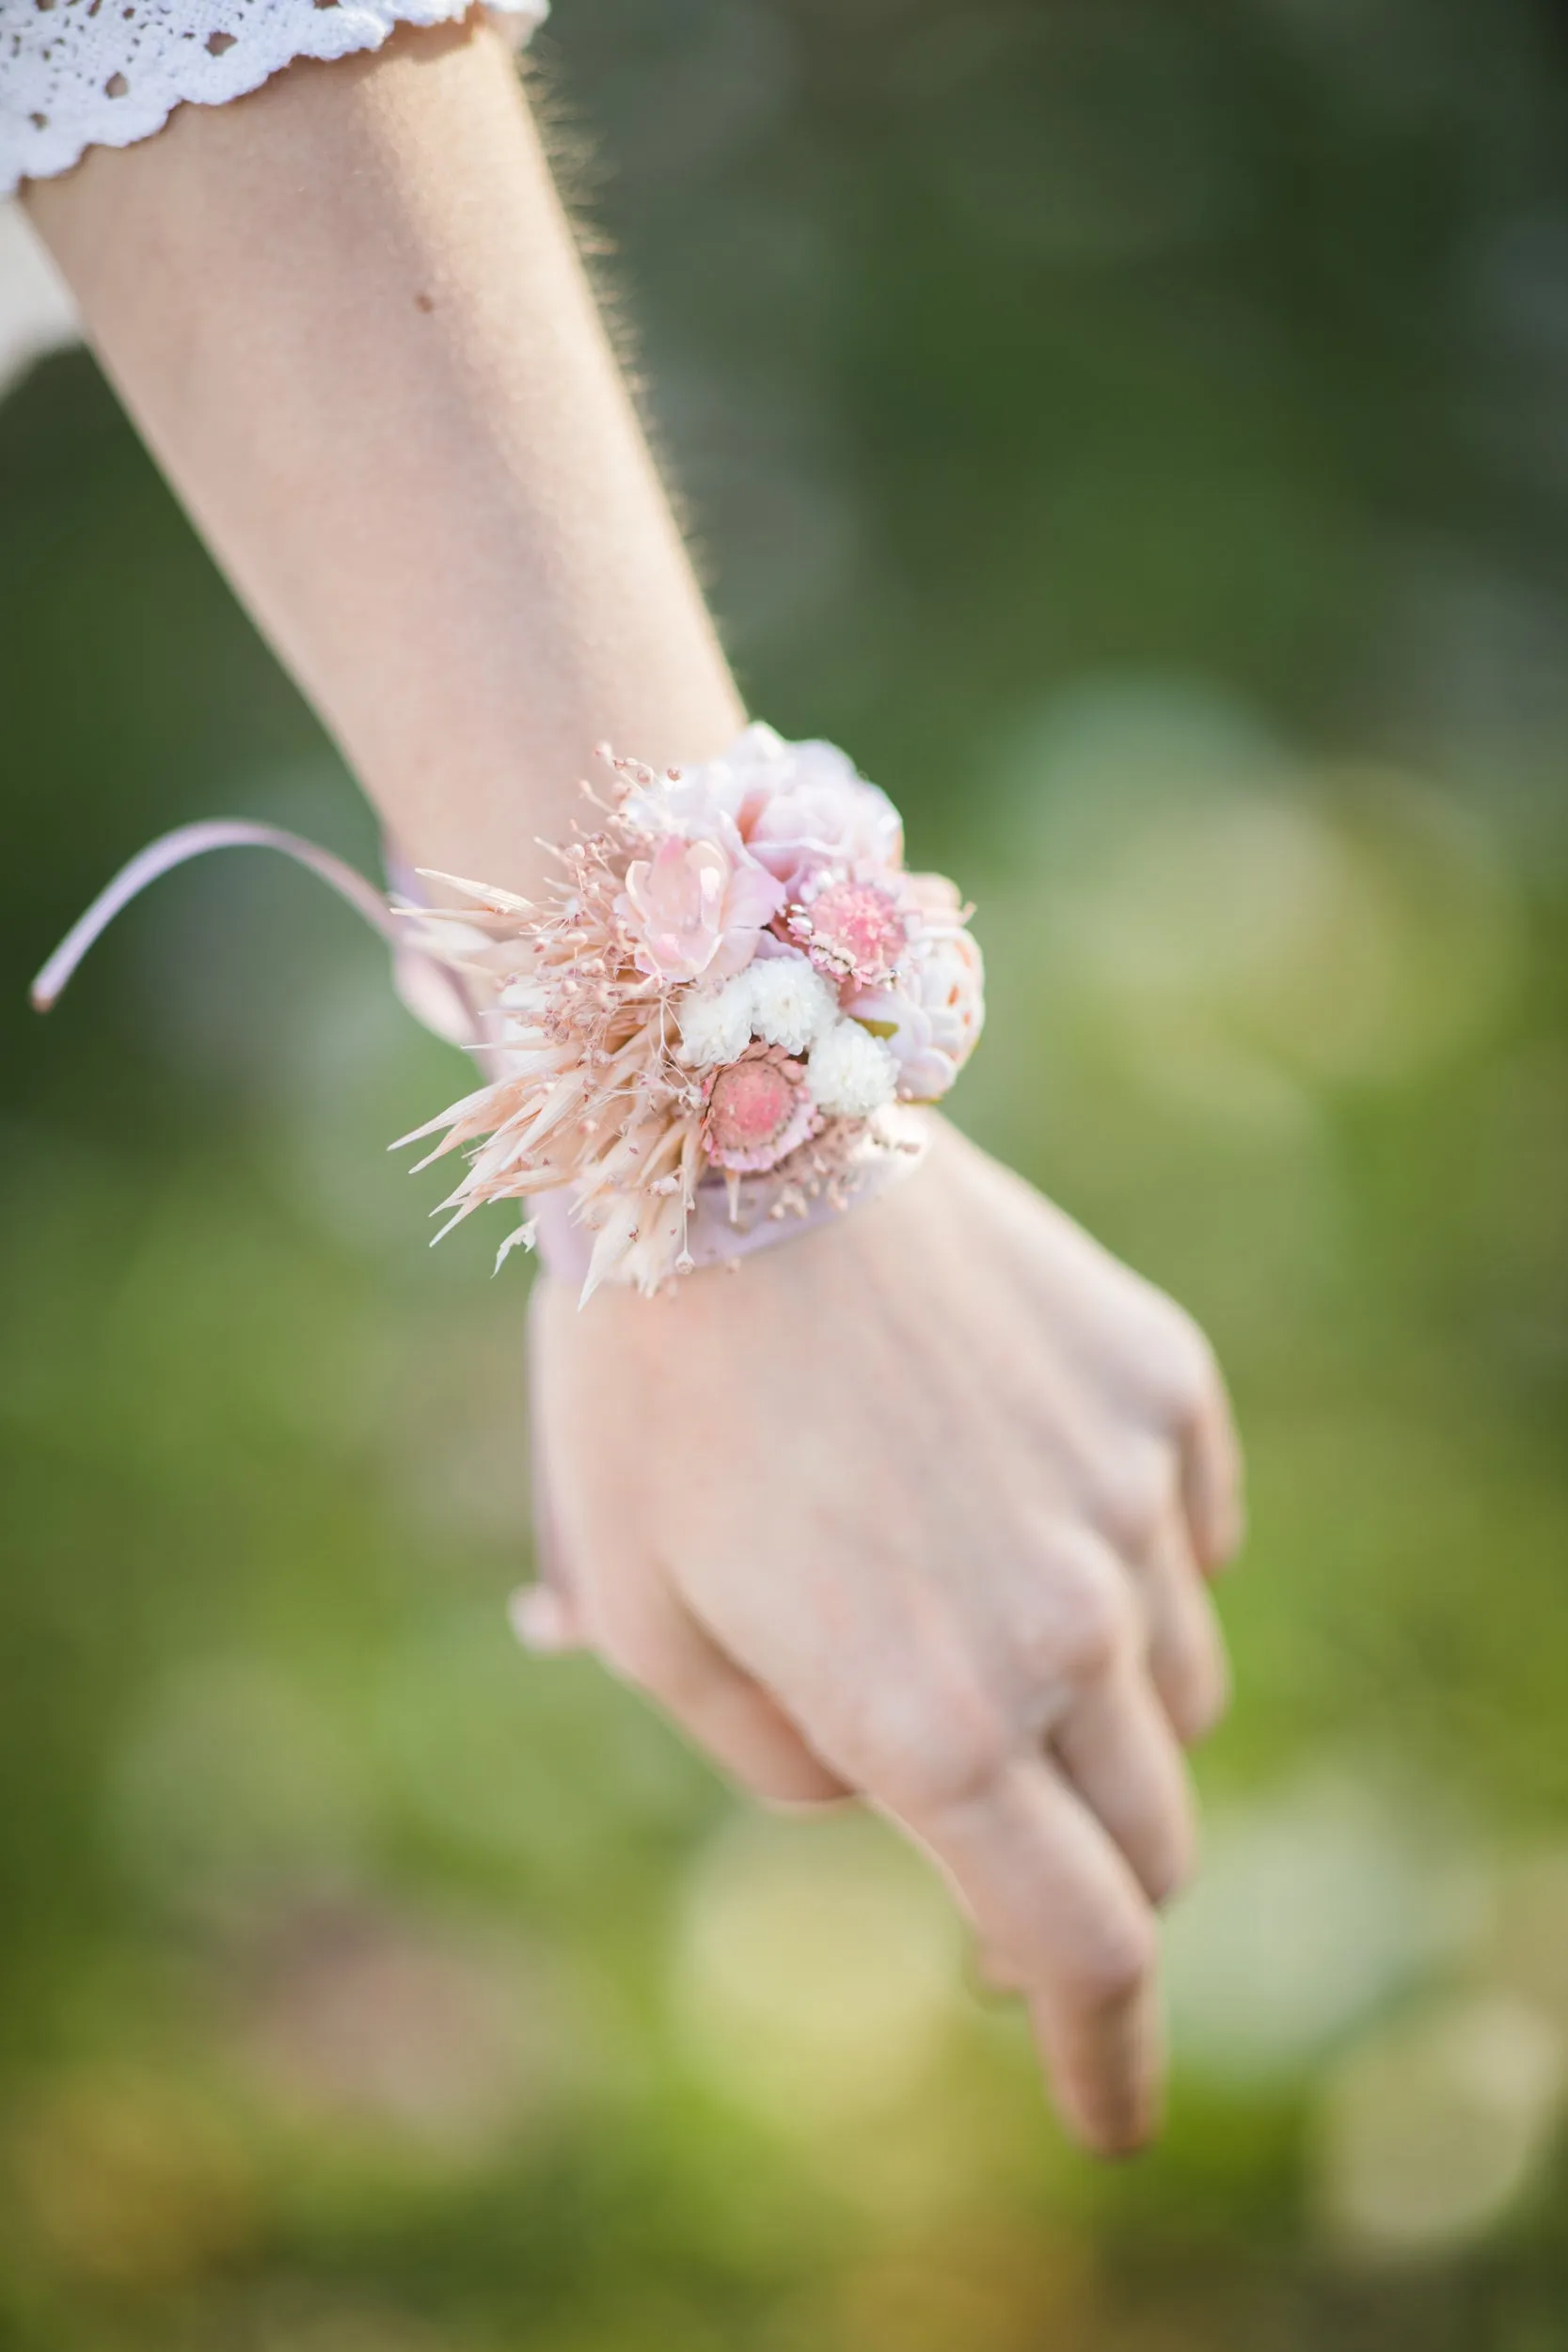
(938, 901)
(821, 814)
(931, 1020)
(694, 910)
(710, 798)
(796, 806)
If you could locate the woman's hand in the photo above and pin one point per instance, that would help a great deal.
(919, 1508)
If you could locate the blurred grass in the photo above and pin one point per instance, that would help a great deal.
(1140, 433)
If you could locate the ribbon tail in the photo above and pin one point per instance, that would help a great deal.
(174, 849)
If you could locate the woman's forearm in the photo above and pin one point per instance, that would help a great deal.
(349, 317)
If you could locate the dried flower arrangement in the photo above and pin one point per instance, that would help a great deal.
(732, 977)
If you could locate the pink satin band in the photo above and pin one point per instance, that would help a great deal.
(713, 1235)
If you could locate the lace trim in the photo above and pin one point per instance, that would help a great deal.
(81, 73)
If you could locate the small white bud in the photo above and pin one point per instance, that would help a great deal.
(715, 1022)
(851, 1072)
(792, 1005)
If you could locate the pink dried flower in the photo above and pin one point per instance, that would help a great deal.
(694, 910)
(758, 1110)
(855, 932)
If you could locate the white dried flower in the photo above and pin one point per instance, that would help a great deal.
(852, 1074)
(792, 1005)
(715, 1022)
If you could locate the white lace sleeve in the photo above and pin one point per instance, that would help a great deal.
(81, 73)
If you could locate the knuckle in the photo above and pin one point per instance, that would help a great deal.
(1186, 1374)
(1115, 1960)
(1128, 1497)
(925, 1738)
(1094, 1617)
(1198, 1701)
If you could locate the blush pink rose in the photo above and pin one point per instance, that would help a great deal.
(820, 813)
(696, 910)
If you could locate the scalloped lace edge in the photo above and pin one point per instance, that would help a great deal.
(75, 74)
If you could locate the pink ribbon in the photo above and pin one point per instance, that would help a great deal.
(434, 992)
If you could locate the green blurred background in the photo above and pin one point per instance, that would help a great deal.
(1141, 430)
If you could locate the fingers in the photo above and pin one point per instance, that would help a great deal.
(1116, 1746)
(1185, 1650)
(1064, 1921)
(1063, 1647)
(1210, 1459)
(907, 1711)
(651, 1639)
(1064, 1639)
(917, 1710)
(1106, 2064)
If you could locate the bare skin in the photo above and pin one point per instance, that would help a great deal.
(918, 1507)
(347, 315)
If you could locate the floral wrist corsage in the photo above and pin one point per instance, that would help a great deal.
(733, 979)
(699, 1039)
